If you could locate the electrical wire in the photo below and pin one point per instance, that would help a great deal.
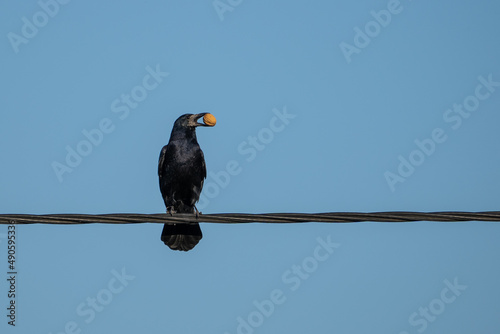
(239, 218)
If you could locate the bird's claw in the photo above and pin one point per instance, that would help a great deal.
(197, 213)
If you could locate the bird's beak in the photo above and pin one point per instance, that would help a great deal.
(197, 117)
(208, 119)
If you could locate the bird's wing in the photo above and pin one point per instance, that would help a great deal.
(161, 161)
(203, 173)
(203, 166)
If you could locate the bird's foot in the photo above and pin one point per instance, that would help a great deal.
(197, 213)
(170, 210)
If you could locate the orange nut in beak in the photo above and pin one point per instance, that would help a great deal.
(209, 120)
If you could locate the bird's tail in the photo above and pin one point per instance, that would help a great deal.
(181, 237)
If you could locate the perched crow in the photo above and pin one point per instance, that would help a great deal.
(182, 170)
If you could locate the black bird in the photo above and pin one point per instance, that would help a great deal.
(182, 171)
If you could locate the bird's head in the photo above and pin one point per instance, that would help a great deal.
(192, 120)
(185, 125)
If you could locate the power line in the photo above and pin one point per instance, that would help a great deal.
(238, 218)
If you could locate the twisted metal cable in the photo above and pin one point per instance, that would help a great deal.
(238, 218)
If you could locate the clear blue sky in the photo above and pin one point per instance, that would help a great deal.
(383, 106)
